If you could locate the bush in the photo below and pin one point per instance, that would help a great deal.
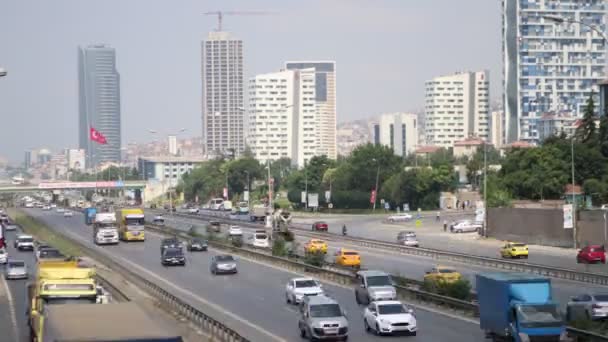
(237, 241)
(288, 236)
(351, 199)
(279, 247)
(315, 259)
(460, 289)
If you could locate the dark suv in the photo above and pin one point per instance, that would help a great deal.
(173, 256)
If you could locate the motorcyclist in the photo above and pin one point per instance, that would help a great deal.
(344, 229)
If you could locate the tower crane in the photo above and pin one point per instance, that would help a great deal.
(220, 15)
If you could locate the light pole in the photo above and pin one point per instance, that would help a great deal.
(376, 187)
(171, 206)
(485, 189)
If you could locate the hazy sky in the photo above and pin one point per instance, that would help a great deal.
(384, 51)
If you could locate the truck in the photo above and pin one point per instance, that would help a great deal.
(58, 283)
(280, 224)
(518, 307)
(105, 230)
(89, 323)
(259, 213)
(131, 224)
(89, 215)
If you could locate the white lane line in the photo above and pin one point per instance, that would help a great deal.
(11, 304)
(189, 293)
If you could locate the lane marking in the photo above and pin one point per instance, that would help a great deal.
(11, 304)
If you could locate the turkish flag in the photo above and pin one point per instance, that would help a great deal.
(96, 136)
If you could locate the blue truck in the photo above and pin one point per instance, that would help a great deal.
(518, 307)
(89, 215)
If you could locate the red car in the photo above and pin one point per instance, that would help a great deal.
(319, 226)
(591, 254)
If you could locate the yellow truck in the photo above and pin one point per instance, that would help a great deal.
(130, 224)
(58, 283)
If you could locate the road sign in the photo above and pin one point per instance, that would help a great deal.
(387, 206)
(327, 196)
(303, 197)
(313, 200)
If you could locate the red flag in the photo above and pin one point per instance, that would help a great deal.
(372, 197)
(96, 136)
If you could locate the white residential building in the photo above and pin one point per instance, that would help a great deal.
(283, 121)
(549, 65)
(457, 107)
(398, 131)
(172, 142)
(497, 128)
(75, 159)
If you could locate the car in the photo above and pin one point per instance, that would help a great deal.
(46, 208)
(197, 244)
(315, 246)
(159, 220)
(214, 227)
(464, 226)
(322, 318)
(173, 256)
(348, 257)
(49, 253)
(235, 231)
(3, 256)
(68, 213)
(59, 210)
(192, 210)
(591, 254)
(39, 205)
(260, 240)
(514, 250)
(374, 286)
(389, 317)
(223, 263)
(408, 239)
(401, 217)
(15, 269)
(29, 205)
(589, 306)
(24, 242)
(320, 226)
(297, 288)
(10, 226)
(53, 206)
(442, 274)
(172, 242)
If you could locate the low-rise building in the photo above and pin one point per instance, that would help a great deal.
(167, 169)
(467, 147)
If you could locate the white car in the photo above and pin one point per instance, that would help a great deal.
(15, 269)
(29, 205)
(402, 217)
(3, 256)
(260, 240)
(465, 226)
(24, 242)
(235, 231)
(297, 288)
(53, 205)
(60, 210)
(10, 226)
(46, 207)
(193, 210)
(68, 213)
(388, 317)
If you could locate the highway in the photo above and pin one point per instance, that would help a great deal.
(406, 265)
(252, 300)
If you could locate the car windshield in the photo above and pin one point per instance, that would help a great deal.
(391, 309)
(382, 280)
(197, 241)
(410, 238)
(172, 252)
(51, 253)
(85, 300)
(306, 283)
(224, 258)
(538, 316)
(16, 264)
(350, 253)
(601, 298)
(26, 240)
(445, 270)
(134, 221)
(325, 310)
(519, 245)
(261, 236)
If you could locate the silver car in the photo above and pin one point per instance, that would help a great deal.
(465, 226)
(587, 306)
(15, 269)
(223, 264)
(322, 318)
(374, 286)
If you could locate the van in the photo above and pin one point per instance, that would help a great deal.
(321, 317)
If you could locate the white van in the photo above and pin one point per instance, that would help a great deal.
(215, 203)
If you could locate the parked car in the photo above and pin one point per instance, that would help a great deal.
(223, 263)
(587, 306)
(401, 217)
(320, 226)
(465, 226)
(407, 239)
(297, 288)
(389, 317)
(197, 244)
(514, 250)
(15, 269)
(591, 254)
(173, 256)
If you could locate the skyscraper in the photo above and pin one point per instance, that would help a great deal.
(99, 102)
(223, 111)
(549, 67)
(457, 107)
(325, 97)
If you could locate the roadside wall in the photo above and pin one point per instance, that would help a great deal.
(533, 226)
(591, 227)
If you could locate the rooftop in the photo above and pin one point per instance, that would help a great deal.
(518, 144)
(469, 142)
(173, 159)
(427, 149)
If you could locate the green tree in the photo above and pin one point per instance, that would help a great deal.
(586, 132)
(603, 134)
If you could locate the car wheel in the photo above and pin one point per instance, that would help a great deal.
(287, 299)
(365, 324)
(302, 333)
(378, 330)
(357, 298)
(578, 260)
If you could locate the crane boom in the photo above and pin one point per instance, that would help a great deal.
(220, 15)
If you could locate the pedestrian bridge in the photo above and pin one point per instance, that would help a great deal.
(50, 186)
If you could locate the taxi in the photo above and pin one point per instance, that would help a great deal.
(347, 257)
(442, 274)
(315, 246)
(514, 250)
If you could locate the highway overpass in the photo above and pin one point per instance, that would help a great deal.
(50, 186)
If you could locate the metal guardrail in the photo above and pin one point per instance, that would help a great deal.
(585, 336)
(507, 265)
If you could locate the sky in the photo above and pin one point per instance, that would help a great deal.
(384, 49)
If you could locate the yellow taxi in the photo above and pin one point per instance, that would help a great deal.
(347, 257)
(442, 274)
(315, 246)
(514, 250)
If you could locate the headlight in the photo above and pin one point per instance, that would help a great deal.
(524, 337)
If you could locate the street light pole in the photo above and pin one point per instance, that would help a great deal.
(376, 188)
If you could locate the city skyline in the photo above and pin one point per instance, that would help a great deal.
(162, 87)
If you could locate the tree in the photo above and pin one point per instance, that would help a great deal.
(603, 134)
(586, 132)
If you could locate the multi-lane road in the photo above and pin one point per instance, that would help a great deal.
(409, 266)
(253, 300)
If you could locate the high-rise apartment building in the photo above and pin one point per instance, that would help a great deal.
(223, 110)
(325, 97)
(457, 107)
(548, 66)
(99, 102)
(283, 117)
(75, 159)
(398, 131)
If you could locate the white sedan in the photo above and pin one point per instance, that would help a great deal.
(389, 317)
(193, 210)
(297, 288)
(465, 226)
(235, 231)
(68, 213)
(403, 217)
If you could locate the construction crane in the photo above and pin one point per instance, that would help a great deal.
(220, 15)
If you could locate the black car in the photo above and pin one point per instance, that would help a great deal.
(173, 256)
(172, 242)
(197, 244)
